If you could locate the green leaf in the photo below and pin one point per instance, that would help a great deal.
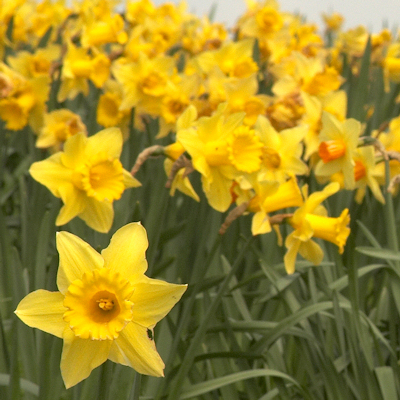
(387, 383)
(205, 387)
(26, 385)
(384, 254)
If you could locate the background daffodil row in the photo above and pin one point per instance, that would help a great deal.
(262, 161)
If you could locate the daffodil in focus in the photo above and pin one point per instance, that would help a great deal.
(311, 220)
(88, 176)
(105, 305)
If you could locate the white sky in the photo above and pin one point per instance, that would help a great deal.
(374, 14)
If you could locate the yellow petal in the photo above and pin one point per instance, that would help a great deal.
(260, 223)
(126, 252)
(76, 258)
(292, 245)
(311, 251)
(317, 198)
(74, 203)
(51, 173)
(217, 191)
(331, 127)
(117, 356)
(108, 141)
(98, 215)
(153, 299)
(74, 151)
(129, 180)
(140, 351)
(80, 356)
(187, 118)
(43, 310)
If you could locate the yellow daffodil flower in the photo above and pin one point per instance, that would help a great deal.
(105, 305)
(78, 67)
(269, 197)
(338, 142)
(58, 126)
(333, 21)
(22, 100)
(391, 65)
(391, 142)
(87, 176)
(241, 95)
(308, 74)
(108, 30)
(109, 113)
(207, 142)
(366, 174)
(335, 103)
(233, 58)
(144, 81)
(35, 64)
(281, 152)
(353, 41)
(311, 220)
(176, 100)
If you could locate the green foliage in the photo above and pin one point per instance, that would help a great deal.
(244, 330)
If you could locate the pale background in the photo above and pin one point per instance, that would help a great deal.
(374, 14)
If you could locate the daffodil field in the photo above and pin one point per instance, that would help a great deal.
(195, 211)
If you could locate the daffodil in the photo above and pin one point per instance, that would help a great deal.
(338, 142)
(22, 100)
(335, 103)
(212, 146)
(310, 75)
(333, 21)
(105, 305)
(366, 174)
(144, 81)
(391, 65)
(108, 112)
(108, 30)
(233, 58)
(353, 41)
(281, 152)
(35, 64)
(311, 220)
(58, 126)
(88, 176)
(78, 67)
(241, 95)
(272, 196)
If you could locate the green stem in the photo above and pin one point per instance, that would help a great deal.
(185, 317)
(135, 392)
(201, 330)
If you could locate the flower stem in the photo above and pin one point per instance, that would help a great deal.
(135, 391)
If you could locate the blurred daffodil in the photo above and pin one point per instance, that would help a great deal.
(338, 143)
(105, 306)
(311, 220)
(272, 196)
(87, 176)
(58, 126)
(212, 145)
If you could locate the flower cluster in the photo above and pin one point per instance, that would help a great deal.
(258, 112)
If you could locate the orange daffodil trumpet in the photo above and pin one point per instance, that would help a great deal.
(338, 144)
(88, 176)
(105, 305)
